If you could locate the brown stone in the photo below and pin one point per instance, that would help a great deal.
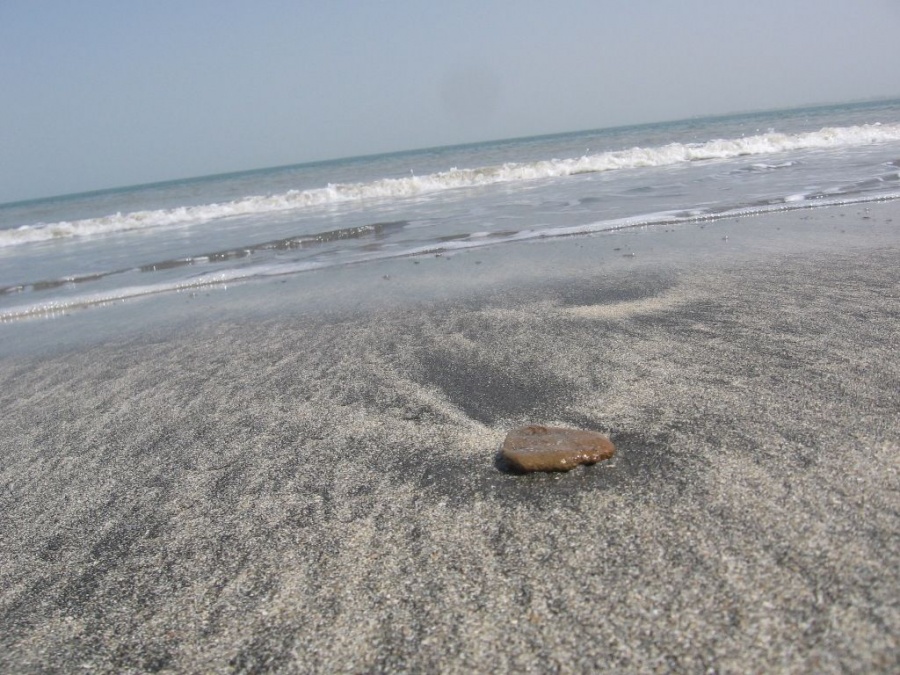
(540, 448)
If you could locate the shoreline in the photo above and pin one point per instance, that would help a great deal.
(308, 482)
(400, 283)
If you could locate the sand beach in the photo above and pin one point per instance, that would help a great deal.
(308, 481)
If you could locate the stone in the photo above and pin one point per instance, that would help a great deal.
(539, 448)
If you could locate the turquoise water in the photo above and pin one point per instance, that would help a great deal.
(86, 250)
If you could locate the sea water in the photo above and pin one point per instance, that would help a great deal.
(90, 250)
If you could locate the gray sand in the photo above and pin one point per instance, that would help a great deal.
(319, 493)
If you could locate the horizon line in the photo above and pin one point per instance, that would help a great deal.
(391, 153)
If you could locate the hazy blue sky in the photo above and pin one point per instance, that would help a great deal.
(102, 93)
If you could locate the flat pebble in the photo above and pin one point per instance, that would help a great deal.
(539, 448)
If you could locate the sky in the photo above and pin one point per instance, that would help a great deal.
(103, 93)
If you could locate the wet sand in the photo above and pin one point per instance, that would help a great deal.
(317, 490)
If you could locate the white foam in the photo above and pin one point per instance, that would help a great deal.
(59, 307)
(413, 186)
(221, 278)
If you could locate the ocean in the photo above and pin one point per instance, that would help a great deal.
(95, 249)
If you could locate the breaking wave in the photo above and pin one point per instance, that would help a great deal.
(413, 186)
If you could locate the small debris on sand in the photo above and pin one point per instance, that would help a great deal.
(539, 448)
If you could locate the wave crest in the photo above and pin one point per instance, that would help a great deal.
(413, 186)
